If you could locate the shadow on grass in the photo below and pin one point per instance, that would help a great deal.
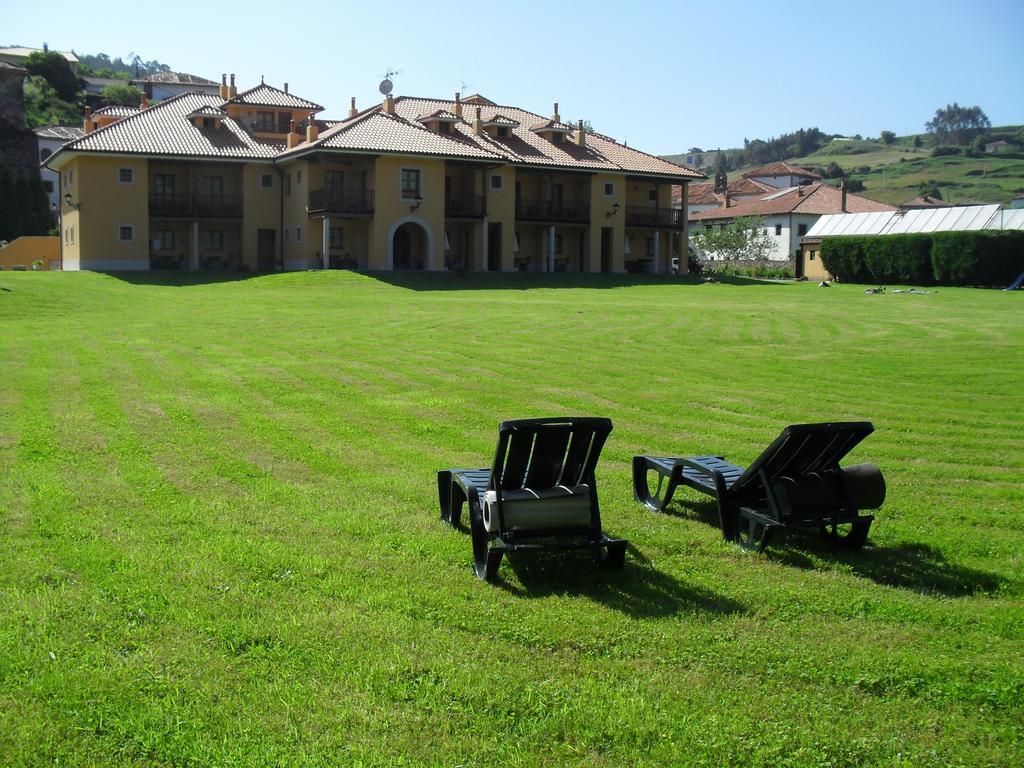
(182, 278)
(908, 565)
(639, 590)
(914, 566)
(524, 281)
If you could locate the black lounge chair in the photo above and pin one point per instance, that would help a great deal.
(539, 493)
(795, 482)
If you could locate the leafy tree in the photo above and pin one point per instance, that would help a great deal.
(44, 106)
(957, 124)
(833, 171)
(929, 189)
(854, 185)
(917, 142)
(123, 95)
(743, 238)
(56, 70)
(24, 206)
(888, 137)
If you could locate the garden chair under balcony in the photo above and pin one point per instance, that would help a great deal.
(796, 482)
(538, 493)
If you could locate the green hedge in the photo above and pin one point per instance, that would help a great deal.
(947, 258)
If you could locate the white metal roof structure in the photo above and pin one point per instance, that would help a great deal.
(946, 219)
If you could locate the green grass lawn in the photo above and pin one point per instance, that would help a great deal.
(220, 537)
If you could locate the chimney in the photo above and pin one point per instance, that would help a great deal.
(800, 191)
(581, 136)
(352, 111)
(293, 136)
(286, 87)
(232, 90)
(144, 104)
(224, 86)
(478, 124)
(88, 125)
(458, 104)
(556, 117)
(728, 198)
(389, 104)
(312, 130)
(842, 188)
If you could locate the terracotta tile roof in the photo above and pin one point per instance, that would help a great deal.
(207, 111)
(703, 192)
(116, 110)
(440, 114)
(375, 131)
(63, 132)
(781, 169)
(551, 125)
(378, 131)
(810, 199)
(164, 129)
(264, 95)
(502, 121)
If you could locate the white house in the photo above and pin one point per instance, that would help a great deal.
(51, 138)
(787, 214)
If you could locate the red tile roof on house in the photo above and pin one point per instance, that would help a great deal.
(811, 199)
(781, 169)
(61, 132)
(376, 131)
(164, 129)
(703, 192)
(116, 110)
(175, 78)
(264, 95)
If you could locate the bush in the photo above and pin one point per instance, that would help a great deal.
(989, 258)
(942, 151)
(888, 137)
(899, 258)
(854, 185)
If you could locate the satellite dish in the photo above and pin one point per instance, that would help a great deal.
(385, 86)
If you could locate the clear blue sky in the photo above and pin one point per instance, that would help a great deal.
(663, 75)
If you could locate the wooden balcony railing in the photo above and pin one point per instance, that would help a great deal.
(187, 205)
(553, 211)
(465, 206)
(340, 201)
(644, 216)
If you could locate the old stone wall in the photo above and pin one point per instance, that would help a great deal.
(18, 145)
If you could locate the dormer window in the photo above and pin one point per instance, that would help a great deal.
(444, 127)
(440, 121)
(265, 121)
(552, 130)
(500, 126)
(502, 132)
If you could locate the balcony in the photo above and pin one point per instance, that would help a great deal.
(552, 211)
(338, 201)
(643, 216)
(189, 206)
(465, 206)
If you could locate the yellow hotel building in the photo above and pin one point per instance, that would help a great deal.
(255, 181)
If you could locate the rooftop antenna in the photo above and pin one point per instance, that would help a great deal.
(465, 87)
(386, 85)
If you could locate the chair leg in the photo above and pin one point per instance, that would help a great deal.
(854, 538)
(659, 500)
(486, 559)
(611, 555)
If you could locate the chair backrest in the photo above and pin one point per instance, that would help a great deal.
(543, 453)
(804, 448)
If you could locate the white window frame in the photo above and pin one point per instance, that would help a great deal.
(131, 173)
(500, 186)
(130, 227)
(604, 187)
(419, 190)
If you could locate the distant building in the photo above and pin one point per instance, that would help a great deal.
(788, 214)
(18, 56)
(165, 85)
(51, 138)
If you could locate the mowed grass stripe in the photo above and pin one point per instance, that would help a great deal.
(279, 590)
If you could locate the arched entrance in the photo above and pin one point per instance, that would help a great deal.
(409, 247)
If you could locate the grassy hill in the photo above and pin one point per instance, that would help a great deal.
(894, 173)
(220, 541)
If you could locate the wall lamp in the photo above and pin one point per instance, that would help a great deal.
(614, 210)
(70, 203)
(416, 203)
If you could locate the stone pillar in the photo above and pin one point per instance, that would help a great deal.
(656, 262)
(484, 255)
(194, 256)
(326, 250)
